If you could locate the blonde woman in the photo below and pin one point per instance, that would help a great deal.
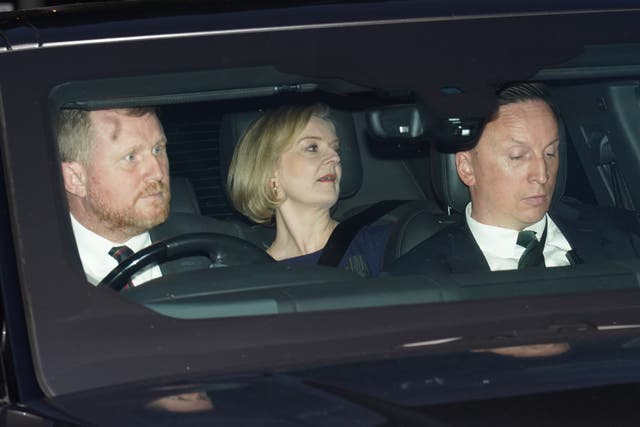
(286, 171)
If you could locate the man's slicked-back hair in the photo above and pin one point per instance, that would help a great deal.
(513, 93)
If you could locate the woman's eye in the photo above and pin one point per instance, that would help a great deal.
(130, 157)
(551, 154)
(312, 148)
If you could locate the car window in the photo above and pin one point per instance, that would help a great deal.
(378, 137)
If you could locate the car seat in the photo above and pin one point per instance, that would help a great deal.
(185, 215)
(454, 194)
(418, 224)
(183, 197)
(413, 221)
(233, 126)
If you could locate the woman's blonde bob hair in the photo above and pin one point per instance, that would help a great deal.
(256, 156)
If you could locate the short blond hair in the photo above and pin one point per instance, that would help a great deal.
(256, 157)
(74, 132)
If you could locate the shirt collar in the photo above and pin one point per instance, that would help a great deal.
(94, 250)
(501, 242)
(85, 236)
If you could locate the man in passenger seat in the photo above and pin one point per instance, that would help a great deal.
(511, 176)
(116, 176)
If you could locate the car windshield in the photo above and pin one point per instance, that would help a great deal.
(398, 241)
(226, 195)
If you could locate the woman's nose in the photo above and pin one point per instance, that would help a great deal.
(333, 155)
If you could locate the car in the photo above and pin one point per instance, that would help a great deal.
(253, 342)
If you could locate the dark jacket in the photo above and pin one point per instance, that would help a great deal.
(595, 234)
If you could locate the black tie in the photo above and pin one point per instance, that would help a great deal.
(532, 256)
(121, 253)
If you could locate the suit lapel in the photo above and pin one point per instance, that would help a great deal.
(465, 255)
(580, 233)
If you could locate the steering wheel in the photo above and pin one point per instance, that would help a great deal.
(221, 249)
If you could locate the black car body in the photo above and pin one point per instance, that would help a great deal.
(316, 346)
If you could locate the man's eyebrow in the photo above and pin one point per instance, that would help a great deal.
(556, 140)
(140, 146)
(553, 141)
(131, 148)
(517, 141)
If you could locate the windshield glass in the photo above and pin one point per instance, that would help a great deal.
(310, 200)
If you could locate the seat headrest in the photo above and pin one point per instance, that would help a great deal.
(447, 186)
(455, 195)
(183, 198)
(233, 126)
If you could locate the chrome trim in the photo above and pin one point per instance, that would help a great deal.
(431, 342)
(320, 26)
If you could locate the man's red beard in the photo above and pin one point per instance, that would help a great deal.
(130, 220)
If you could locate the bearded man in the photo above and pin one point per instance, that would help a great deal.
(116, 176)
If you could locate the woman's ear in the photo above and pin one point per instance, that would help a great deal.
(273, 185)
(464, 166)
(75, 178)
(276, 187)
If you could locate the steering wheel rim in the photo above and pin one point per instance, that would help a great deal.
(223, 250)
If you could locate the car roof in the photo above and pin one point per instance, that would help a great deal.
(469, 31)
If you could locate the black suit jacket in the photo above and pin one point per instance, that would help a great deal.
(595, 234)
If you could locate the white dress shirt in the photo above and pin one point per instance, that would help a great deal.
(503, 253)
(95, 258)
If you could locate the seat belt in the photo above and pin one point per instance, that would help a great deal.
(344, 232)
